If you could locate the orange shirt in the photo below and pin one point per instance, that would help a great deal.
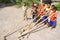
(42, 9)
(53, 16)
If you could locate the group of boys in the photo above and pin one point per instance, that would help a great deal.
(45, 11)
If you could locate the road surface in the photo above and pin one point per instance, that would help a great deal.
(11, 19)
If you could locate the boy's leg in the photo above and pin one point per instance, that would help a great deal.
(39, 21)
(33, 16)
(35, 20)
(44, 17)
(49, 24)
(54, 23)
(25, 16)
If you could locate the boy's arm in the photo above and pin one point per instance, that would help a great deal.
(55, 14)
(31, 11)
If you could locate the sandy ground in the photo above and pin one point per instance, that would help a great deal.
(11, 19)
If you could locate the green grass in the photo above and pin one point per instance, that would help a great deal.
(5, 1)
(58, 6)
(19, 3)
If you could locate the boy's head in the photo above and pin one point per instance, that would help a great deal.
(43, 3)
(35, 5)
(52, 6)
(35, 8)
(32, 3)
(48, 5)
(54, 9)
(24, 4)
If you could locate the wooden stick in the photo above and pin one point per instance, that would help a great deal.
(28, 31)
(23, 28)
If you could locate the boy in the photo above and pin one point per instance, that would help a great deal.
(42, 9)
(47, 10)
(41, 12)
(24, 7)
(53, 18)
(52, 6)
(34, 11)
(32, 4)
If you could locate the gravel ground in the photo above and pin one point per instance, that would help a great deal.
(11, 19)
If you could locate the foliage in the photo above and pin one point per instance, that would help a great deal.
(58, 6)
(4, 1)
(20, 2)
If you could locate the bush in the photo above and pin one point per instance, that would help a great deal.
(4, 1)
(20, 2)
(58, 6)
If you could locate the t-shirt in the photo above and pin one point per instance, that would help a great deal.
(53, 16)
(35, 12)
(47, 10)
(42, 10)
(24, 8)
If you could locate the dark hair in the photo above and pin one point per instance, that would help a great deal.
(36, 7)
(49, 3)
(53, 5)
(32, 1)
(25, 3)
(55, 8)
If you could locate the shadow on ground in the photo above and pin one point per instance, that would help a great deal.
(2, 5)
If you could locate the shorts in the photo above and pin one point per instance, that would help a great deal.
(44, 17)
(52, 23)
(35, 20)
(38, 20)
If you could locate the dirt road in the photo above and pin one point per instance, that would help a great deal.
(11, 19)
